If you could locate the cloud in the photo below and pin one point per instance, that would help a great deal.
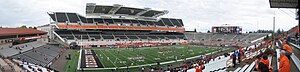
(199, 14)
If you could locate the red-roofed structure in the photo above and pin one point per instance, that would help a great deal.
(9, 35)
(19, 31)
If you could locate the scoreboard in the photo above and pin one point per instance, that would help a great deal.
(226, 29)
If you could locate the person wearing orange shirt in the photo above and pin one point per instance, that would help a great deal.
(297, 31)
(284, 63)
(287, 48)
(265, 60)
(199, 68)
(279, 37)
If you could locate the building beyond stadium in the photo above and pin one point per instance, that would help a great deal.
(115, 26)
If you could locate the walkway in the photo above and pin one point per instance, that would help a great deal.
(60, 63)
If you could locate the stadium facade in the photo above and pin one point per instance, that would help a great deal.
(115, 26)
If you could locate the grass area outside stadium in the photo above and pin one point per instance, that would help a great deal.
(148, 56)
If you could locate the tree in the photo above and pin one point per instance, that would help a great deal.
(195, 30)
(34, 28)
(29, 27)
(23, 26)
(278, 32)
(267, 37)
(208, 31)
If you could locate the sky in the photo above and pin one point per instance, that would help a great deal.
(251, 15)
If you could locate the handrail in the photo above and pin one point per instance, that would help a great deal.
(244, 68)
(58, 36)
(251, 66)
(294, 58)
(237, 69)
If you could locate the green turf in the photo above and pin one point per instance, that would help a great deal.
(115, 58)
(72, 64)
(112, 58)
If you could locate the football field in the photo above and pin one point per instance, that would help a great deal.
(147, 56)
(116, 58)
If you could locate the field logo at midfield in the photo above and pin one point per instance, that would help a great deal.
(138, 58)
(165, 51)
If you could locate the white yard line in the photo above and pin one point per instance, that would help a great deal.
(147, 64)
(79, 59)
(100, 60)
(137, 54)
(120, 59)
(156, 57)
(109, 60)
(167, 62)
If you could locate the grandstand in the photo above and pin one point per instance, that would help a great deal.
(221, 39)
(18, 42)
(42, 55)
(116, 25)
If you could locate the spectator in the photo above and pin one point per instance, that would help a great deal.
(257, 62)
(199, 68)
(241, 51)
(265, 60)
(239, 57)
(288, 49)
(298, 41)
(234, 58)
(143, 69)
(266, 66)
(262, 67)
(288, 38)
(284, 63)
(268, 51)
(151, 70)
(127, 69)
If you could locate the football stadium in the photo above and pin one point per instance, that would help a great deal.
(120, 38)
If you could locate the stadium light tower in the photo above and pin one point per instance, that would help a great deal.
(274, 23)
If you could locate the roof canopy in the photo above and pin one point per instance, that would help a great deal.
(284, 3)
(116, 9)
(65, 17)
(19, 31)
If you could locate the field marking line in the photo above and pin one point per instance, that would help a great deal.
(153, 56)
(109, 60)
(126, 58)
(161, 57)
(141, 55)
(116, 56)
(100, 60)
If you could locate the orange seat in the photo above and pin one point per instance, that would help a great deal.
(89, 26)
(180, 29)
(153, 28)
(113, 27)
(136, 27)
(123, 27)
(74, 26)
(62, 25)
(102, 26)
(130, 28)
(163, 28)
(174, 29)
(145, 28)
